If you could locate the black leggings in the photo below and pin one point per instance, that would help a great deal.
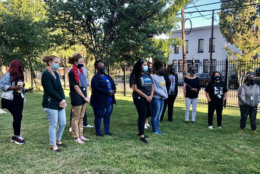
(170, 102)
(142, 109)
(15, 107)
(212, 106)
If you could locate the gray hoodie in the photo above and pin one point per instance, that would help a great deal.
(249, 95)
(159, 85)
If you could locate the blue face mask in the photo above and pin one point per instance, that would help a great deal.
(217, 78)
(150, 69)
(102, 70)
(173, 71)
(145, 68)
(55, 66)
(193, 71)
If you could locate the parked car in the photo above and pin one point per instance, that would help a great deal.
(204, 79)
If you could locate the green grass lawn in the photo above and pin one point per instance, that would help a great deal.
(181, 148)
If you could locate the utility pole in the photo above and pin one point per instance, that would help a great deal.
(183, 42)
(211, 42)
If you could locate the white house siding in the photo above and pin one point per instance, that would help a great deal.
(193, 38)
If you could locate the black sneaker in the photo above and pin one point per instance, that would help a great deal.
(18, 140)
(109, 133)
(99, 135)
(143, 140)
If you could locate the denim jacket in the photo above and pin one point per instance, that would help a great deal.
(6, 83)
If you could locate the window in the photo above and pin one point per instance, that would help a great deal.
(200, 45)
(175, 64)
(180, 66)
(189, 62)
(205, 66)
(176, 49)
(213, 46)
(187, 46)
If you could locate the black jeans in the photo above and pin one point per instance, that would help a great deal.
(212, 106)
(142, 108)
(170, 102)
(15, 107)
(245, 111)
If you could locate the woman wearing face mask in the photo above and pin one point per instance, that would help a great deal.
(102, 98)
(191, 91)
(142, 85)
(150, 70)
(79, 97)
(160, 94)
(13, 96)
(248, 95)
(54, 102)
(172, 92)
(216, 93)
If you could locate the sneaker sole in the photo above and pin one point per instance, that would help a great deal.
(17, 142)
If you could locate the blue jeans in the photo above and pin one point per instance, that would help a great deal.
(157, 108)
(85, 119)
(56, 116)
(104, 113)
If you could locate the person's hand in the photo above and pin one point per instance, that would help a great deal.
(148, 98)
(225, 98)
(29, 89)
(86, 99)
(194, 89)
(17, 87)
(63, 104)
(209, 100)
(111, 92)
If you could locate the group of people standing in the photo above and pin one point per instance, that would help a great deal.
(154, 89)
(54, 101)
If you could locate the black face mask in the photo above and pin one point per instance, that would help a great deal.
(162, 73)
(102, 70)
(251, 82)
(80, 66)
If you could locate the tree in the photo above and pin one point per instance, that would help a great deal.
(24, 34)
(118, 31)
(240, 24)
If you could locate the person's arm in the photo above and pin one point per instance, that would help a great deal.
(46, 83)
(95, 87)
(207, 95)
(138, 91)
(241, 95)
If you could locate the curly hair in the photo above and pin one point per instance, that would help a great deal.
(157, 65)
(16, 69)
(137, 69)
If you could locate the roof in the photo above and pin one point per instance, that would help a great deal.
(196, 29)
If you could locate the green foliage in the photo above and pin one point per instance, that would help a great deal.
(240, 26)
(23, 31)
(119, 31)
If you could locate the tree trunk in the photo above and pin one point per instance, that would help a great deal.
(34, 78)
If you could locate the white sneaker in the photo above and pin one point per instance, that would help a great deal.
(145, 126)
(219, 127)
(88, 126)
(70, 129)
(78, 140)
(83, 138)
(210, 127)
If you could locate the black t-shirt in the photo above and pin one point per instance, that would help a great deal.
(216, 91)
(76, 99)
(192, 83)
(144, 83)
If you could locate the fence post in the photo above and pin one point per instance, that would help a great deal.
(124, 81)
(226, 80)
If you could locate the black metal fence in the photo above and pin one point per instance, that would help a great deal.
(233, 73)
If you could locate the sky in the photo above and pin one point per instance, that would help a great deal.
(202, 21)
